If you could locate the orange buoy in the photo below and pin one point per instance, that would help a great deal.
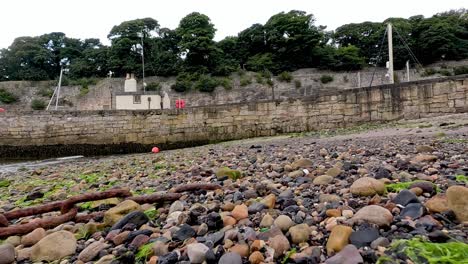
(155, 150)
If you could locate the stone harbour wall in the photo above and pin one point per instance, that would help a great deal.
(65, 133)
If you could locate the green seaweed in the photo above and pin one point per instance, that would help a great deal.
(288, 255)
(385, 260)
(152, 214)
(230, 173)
(4, 183)
(421, 251)
(91, 178)
(461, 178)
(397, 187)
(144, 252)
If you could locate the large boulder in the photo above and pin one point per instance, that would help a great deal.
(367, 186)
(457, 197)
(54, 247)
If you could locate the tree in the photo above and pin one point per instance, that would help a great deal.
(196, 34)
(348, 59)
(125, 52)
(163, 56)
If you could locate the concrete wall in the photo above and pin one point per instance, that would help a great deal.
(147, 101)
(101, 132)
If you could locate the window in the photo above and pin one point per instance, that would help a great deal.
(137, 99)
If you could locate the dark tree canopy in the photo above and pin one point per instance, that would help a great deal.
(286, 42)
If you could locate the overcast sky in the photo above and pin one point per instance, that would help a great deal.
(95, 18)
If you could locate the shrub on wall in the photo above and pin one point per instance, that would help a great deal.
(153, 86)
(326, 79)
(285, 77)
(460, 70)
(206, 84)
(259, 78)
(245, 80)
(226, 83)
(38, 104)
(7, 97)
(45, 92)
(297, 84)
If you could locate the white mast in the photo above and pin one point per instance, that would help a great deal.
(390, 53)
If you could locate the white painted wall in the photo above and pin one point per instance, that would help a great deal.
(130, 85)
(126, 102)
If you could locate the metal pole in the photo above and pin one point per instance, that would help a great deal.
(390, 53)
(58, 88)
(52, 98)
(407, 71)
(143, 61)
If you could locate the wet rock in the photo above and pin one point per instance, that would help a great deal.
(176, 207)
(382, 173)
(323, 180)
(184, 232)
(280, 244)
(139, 241)
(197, 252)
(367, 186)
(33, 237)
(299, 233)
(241, 249)
(412, 210)
(364, 237)
(437, 204)
(230, 258)
(54, 247)
(136, 218)
(457, 197)
(160, 248)
(334, 172)
(7, 254)
(302, 163)
(373, 214)
(267, 221)
(256, 207)
(283, 222)
(240, 212)
(427, 187)
(256, 258)
(349, 255)
(92, 251)
(213, 220)
(380, 242)
(269, 201)
(169, 258)
(405, 197)
(339, 238)
(114, 214)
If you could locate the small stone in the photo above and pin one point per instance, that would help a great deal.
(23, 254)
(424, 149)
(333, 212)
(120, 238)
(91, 251)
(202, 229)
(296, 174)
(367, 186)
(280, 244)
(364, 237)
(267, 221)
(417, 191)
(380, 242)
(382, 173)
(54, 247)
(405, 197)
(328, 198)
(185, 231)
(349, 255)
(427, 187)
(373, 214)
(347, 213)
(224, 173)
(333, 172)
(229, 221)
(256, 258)
(283, 222)
(299, 233)
(241, 249)
(139, 241)
(197, 252)
(160, 248)
(256, 207)
(457, 197)
(240, 212)
(230, 258)
(269, 201)
(114, 214)
(176, 207)
(424, 158)
(33, 237)
(257, 245)
(13, 240)
(413, 211)
(437, 204)
(323, 152)
(7, 254)
(136, 218)
(322, 180)
(107, 259)
(339, 238)
(302, 163)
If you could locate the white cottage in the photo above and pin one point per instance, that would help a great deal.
(132, 99)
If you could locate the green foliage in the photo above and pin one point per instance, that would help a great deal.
(326, 79)
(153, 86)
(429, 72)
(445, 72)
(144, 252)
(206, 84)
(38, 104)
(226, 83)
(420, 251)
(348, 59)
(260, 62)
(245, 80)
(152, 214)
(397, 187)
(288, 255)
(4, 183)
(460, 178)
(91, 178)
(230, 173)
(84, 91)
(460, 70)
(297, 84)
(184, 82)
(7, 97)
(259, 78)
(45, 92)
(270, 82)
(285, 77)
